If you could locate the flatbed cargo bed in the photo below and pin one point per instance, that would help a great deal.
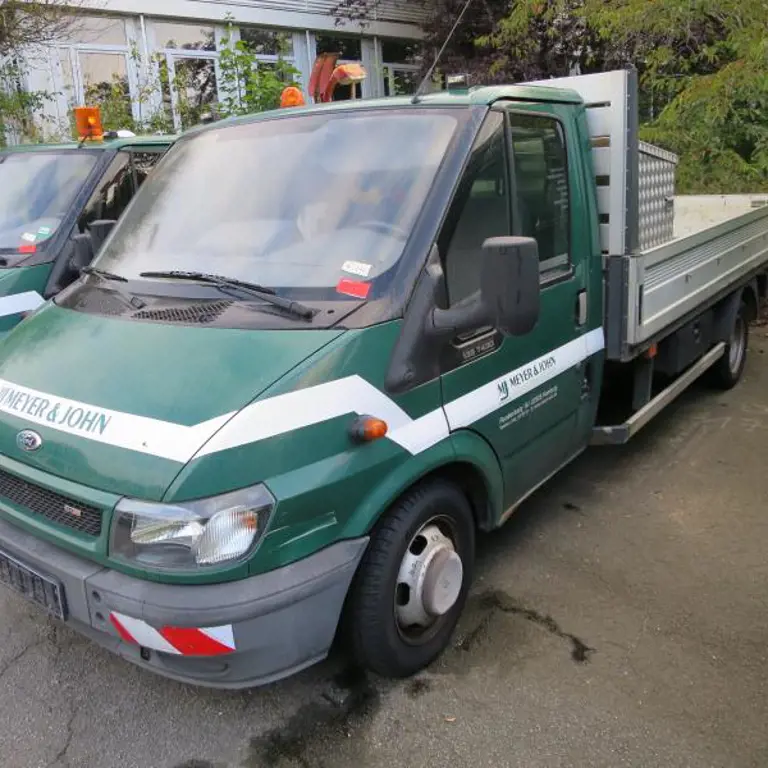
(653, 292)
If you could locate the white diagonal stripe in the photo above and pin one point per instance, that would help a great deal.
(222, 634)
(20, 302)
(145, 635)
(422, 433)
(303, 408)
(164, 439)
(279, 415)
(484, 400)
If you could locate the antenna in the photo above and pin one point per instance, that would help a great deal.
(428, 76)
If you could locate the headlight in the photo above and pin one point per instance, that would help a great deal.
(190, 535)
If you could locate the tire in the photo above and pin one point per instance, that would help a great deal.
(727, 372)
(382, 604)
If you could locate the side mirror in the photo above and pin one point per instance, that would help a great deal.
(82, 253)
(99, 230)
(509, 293)
(509, 284)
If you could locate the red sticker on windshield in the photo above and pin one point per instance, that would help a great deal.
(27, 248)
(354, 288)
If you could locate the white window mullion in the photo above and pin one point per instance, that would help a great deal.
(232, 33)
(137, 71)
(61, 95)
(372, 83)
(172, 88)
(217, 75)
(152, 55)
(149, 73)
(221, 33)
(301, 59)
(77, 77)
(311, 56)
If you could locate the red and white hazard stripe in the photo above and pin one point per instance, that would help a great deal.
(183, 641)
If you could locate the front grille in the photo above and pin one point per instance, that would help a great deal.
(195, 313)
(53, 506)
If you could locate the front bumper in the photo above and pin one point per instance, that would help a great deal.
(277, 623)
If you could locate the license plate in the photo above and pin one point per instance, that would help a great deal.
(37, 588)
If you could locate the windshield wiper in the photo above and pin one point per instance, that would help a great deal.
(103, 274)
(259, 291)
(133, 301)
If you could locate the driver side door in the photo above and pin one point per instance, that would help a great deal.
(522, 395)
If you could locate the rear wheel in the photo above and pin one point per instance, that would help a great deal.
(726, 373)
(413, 581)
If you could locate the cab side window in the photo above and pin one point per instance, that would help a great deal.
(118, 185)
(112, 193)
(480, 210)
(541, 204)
(143, 163)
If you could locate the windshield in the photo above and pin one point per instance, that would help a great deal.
(303, 205)
(36, 190)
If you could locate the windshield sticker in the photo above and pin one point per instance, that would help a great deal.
(27, 248)
(354, 288)
(44, 232)
(30, 237)
(359, 268)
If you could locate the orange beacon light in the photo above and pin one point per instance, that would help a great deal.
(88, 123)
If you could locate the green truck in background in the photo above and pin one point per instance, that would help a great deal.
(51, 193)
(325, 346)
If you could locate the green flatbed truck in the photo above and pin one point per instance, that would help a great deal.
(49, 193)
(324, 347)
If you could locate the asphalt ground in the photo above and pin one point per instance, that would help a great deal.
(619, 619)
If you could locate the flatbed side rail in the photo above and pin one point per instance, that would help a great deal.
(667, 283)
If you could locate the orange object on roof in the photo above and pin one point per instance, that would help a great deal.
(344, 74)
(291, 97)
(88, 122)
(321, 75)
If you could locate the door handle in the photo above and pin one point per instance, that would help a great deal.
(581, 308)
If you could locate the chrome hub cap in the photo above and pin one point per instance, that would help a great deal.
(736, 345)
(429, 580)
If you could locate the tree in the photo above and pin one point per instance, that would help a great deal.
(17, 105)
(702, 68)
(24, 26)
(248, 85)
(701, 65)
(707, 60)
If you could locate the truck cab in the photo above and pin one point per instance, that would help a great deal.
(50, 193)
(321, 350)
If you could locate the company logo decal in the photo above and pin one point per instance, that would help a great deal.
(28, 440)
(57, 414)
(525, 375)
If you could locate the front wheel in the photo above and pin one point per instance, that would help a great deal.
(413, 581)
(727, 371)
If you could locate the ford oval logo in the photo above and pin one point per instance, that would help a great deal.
(28, 440)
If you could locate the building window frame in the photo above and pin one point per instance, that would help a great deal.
(66, 97)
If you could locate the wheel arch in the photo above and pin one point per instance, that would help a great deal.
(464, 458)
(751, 297)
(725, 311)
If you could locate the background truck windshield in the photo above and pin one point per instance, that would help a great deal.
(36, 190)
(295, 204)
